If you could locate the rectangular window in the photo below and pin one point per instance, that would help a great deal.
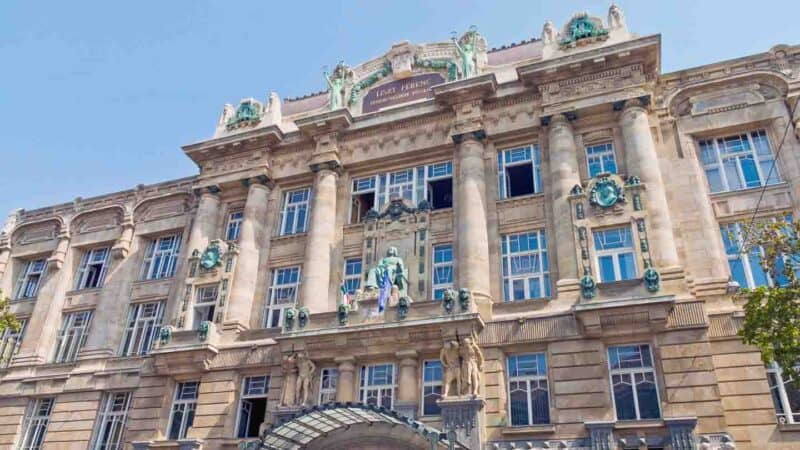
(282, 295)
(234, 225)
(529, 398)
(205, 302)
(614, 253)
(252, 406)
(362, 198)
(29, 279)
(378, 385)
(519, 171)
(785, 395)
(600, 159)
(34, 427)
(431, 387)
(633, 382)
(111, 421)
(294, 214)
(184, 404)
(161, 257)
(10, 341)
(92, 270)
(442, 270)
(746, 268)
(328, 381)
(72, 336)
(352, 275)
(740, 161)
(526, 272)
(142, 327)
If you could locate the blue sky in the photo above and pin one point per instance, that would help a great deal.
(98, 96)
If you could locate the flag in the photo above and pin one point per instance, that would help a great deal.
(385, 292)
(345, 296)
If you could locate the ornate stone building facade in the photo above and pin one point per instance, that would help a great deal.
(533, 246)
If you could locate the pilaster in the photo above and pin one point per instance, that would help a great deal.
(345, 390)
(407, 402)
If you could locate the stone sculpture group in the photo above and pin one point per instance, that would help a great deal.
(298, 374)
(462, 364)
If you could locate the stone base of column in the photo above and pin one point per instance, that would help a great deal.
(28, 360)
(601, 435)
(568, 285)
(407, 409)
(282, 414)
(234, 325)
(96, 353)
(462, 419)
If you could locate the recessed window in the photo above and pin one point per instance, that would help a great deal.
(294, 214)
(362, 198)
(252, 406)
(785, 395)
(72, 336)
(529, 400)
(633, 382)
(142, 327)
(92, 270)
(34, 427)
(111, 421)
(519, 171)
(431, 387)
(614, 252)
(29, 279)
(234, 225)
(328, 380)
(205, 303)
(10, 341)
(184, 404)
(378, 385)
(161, 257)
(440, 185)
(600, 159)
(352, 276)
(745, 267)
(282, 295)
(442, 270)
(526, 271)
(740, 161)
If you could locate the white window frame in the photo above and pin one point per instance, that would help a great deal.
(519, 156)
(34, 426)
(90, 259)
(600, 152)
(543, 274)
(615, 254)
(766, 159)
(788, 416)
(328, 383)
(142, 328)
(111, 421)
(290, 225)
(234, 225)
(246, 395)
(632, 372)
(26, 288)
(273, 307)
(186, 405)
(72, 335)
(431, 384)
(160, 261)
(441, 287)
(205, 304)
(352, 281)
(361, 186)
(10, 341)
(532, 383)
(365, 389)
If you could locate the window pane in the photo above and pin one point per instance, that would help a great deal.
(606, 268)
(623, 397)
(647, 396)
(540, 404)
(750, 172)
(627, 266)
(732, 174)
(519, 403)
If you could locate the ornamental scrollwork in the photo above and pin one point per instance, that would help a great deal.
(606, 193)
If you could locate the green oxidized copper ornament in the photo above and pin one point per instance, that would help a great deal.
(606, 193)
(211, 257)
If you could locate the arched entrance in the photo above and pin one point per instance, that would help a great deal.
(353, 426)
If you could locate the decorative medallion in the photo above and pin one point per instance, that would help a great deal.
(606, 193)
(211, 257)
(583, 28)
(248, 113)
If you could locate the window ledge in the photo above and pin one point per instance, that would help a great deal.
(528, 429)
(790, 427)
(153, 281)
(723, 194)
(22, 300)
(619, 284)
(519, 197)
(84, 291)
(287, 237)
(636, 424)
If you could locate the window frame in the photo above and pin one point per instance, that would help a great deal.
(600, 151)
(718, 143)
(23, 282)
(541, 375)
(7, 350)
(789, 416)
(534, 160)
(245, 396)
(441, 287)
(303, 206)
(209, 305)
(543, 274)
(332, 373)
(82, 277)
(271, 307)
(191, 406)
(615, 254)
(117, 418)
(363, 388)
(632, 372)
(161, 263)
(71, 338)
(350, 279)
(36, 423)
(430, 384)
(234, 225)
(136, 327)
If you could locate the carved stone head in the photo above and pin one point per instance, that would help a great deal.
(392, 251)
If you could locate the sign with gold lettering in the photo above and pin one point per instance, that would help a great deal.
(401, 91)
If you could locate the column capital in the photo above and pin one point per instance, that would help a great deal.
(346, 363)
(642, 103)
(260, 180)
(211, 190)
(332, 165)
(476, 135)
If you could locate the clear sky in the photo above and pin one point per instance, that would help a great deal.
(98, 96)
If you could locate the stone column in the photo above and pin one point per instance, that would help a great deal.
(345, 389)
(407, 402)
(246, 273)
(205, 221)
(314, 288)
(471, 228)
(564, 175)
(642, 160)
